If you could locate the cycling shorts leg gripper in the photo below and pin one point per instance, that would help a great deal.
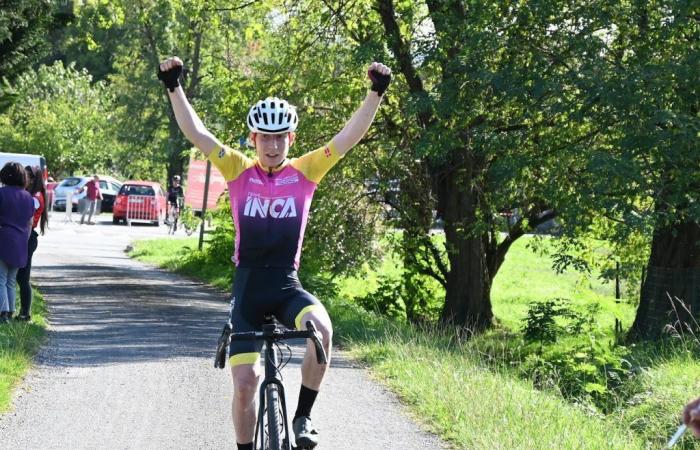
(297, 320)
(244, 358)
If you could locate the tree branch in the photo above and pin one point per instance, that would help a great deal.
(403, 55)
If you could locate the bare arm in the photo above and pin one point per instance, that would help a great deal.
(187, 119)
(359, 123)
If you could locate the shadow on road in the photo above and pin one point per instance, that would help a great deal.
(107, 315)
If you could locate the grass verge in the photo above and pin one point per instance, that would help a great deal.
(19, 342)
(461, 395)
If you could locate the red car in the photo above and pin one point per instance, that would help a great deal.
(140, 201)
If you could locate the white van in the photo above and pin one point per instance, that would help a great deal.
(25, 160)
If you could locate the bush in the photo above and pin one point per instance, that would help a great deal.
(591, 372)
(405, 296)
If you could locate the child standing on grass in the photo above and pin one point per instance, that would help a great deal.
(16, 211)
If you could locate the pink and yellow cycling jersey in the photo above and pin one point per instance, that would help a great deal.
(270, 208)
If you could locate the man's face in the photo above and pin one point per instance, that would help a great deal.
(96, 178)
(272, 149)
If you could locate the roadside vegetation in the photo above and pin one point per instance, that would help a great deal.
(19, 342)
(502, 118)
(553, 373)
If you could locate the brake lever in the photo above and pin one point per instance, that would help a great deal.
(222, 345)
(320, 353)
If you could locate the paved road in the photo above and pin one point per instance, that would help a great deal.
(129, 361)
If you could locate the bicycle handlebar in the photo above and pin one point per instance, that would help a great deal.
(269, 333)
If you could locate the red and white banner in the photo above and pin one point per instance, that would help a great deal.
(196, 176)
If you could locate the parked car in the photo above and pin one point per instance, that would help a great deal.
(108, 185)
(144, 201)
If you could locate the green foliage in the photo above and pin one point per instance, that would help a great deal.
(582, 367)
(219, 246)
(546, 320)
(643, 97)
(23, 27)
(188, 220)
(583, 109)
(592, 372)
(404, 295)
(62, 115)
(386, 300)
(19, 343)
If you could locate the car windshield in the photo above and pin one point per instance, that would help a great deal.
(69, 182)
(136, 190)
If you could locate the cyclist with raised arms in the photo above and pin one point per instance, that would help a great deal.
(270, 200)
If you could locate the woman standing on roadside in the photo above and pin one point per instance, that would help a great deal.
(16, 210)
(35, 186)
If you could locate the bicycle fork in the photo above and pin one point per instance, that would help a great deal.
(271, 378)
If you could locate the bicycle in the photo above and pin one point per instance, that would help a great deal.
(272, 426)
(173, 215)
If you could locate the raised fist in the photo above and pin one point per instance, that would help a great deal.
(380, 75)
(169, 72)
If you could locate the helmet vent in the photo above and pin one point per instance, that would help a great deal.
(271, 116)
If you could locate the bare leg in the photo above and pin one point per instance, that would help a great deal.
(245, 388)
(312, 373)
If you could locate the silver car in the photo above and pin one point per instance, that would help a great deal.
(108, 186)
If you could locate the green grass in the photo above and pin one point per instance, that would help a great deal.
(526, 276)
(183, 256)
(19, 342)
(451, 389)
(465, 391)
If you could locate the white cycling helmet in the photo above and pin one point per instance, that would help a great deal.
(272, 116)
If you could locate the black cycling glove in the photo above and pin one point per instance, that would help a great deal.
(380, 82)
(170, 77)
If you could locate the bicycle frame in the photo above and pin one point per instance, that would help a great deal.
(270, 334)
(271, 377)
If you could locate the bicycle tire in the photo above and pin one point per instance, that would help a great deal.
(273, 414)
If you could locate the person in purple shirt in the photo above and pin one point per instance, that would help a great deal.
(16, 211)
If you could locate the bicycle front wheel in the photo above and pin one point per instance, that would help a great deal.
(273, 415)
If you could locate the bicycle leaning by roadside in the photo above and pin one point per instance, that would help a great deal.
(272, 427)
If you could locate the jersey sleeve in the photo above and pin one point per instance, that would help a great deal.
(231, 163)
(314, 165)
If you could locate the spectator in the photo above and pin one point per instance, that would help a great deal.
(35, 186)
(93, 194)
(691, 416)
(16, 210)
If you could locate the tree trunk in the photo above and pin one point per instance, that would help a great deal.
(177, 144)
(468, 291)
(673, 273)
